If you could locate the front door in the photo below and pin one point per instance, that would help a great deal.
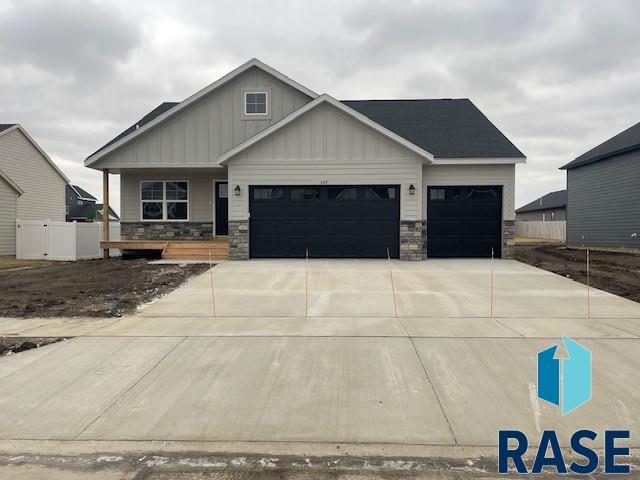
(222, 208)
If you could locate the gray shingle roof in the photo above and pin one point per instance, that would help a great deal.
(447, 128)
(83, 193)
(5, 126)
(623, 142)
(550, 200)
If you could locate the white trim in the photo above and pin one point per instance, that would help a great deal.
(266, 103)
(478, 161)
(37, 147)
(11, 183)
(164, 202)
(215, 199)
(324, 98)
(254, 62)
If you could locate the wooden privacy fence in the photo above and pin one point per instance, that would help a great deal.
(42, 239)
(547, 230)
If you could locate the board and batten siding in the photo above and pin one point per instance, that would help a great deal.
(196, 136)
(8, 210)
(326, 146)
(469, 175)
(44, 188)
(603, 204)
(200, 191)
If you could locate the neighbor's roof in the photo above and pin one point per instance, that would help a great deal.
(5, 126)
(82, 193)
(11, 183)
(448, 128)
(623, 142)
(550, 200)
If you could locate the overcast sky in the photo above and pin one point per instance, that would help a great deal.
(556, 77)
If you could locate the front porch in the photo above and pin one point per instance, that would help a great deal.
(215, 249)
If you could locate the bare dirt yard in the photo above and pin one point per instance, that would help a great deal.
(13, 345)
(617, 273)
(87, 288)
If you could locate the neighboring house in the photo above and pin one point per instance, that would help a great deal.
(31, 186)
(603, 202)
(284, 172)
(83, 207)
(548, 208)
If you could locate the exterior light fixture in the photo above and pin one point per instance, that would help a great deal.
(412, 189)
(237, 190)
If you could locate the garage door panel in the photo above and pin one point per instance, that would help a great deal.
(464, 221)
(345, 221)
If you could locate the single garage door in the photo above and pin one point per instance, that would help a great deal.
(464, 221)
(330, 221)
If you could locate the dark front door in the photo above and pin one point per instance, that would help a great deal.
(327, 221)
(464, 221)
(222, 208)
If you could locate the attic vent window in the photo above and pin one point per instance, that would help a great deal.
(255, 103)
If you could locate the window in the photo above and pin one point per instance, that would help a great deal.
(268, 194)
(305, 194)
(380, 193)
(255, 103)
(436, 194)
(223, 190)
(341, 193)
(164, 200)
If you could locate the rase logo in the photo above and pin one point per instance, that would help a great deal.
(565, 383)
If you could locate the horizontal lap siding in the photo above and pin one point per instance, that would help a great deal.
(200, 191)
(208, 128)
(326, 145)
(8, 205)
(454, 175)
(44, 188)
(604, 202)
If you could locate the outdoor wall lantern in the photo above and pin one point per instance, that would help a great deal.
(237, 190)
(412, 189)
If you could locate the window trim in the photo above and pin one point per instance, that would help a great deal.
(266, 103)
(164, 201)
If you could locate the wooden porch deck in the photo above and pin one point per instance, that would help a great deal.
(216, 249)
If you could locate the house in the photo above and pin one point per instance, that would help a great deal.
(548, 208)
(278, 170)
(31, 185)
(83, 207)
(603, 201)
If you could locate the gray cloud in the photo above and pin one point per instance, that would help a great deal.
(556, 77)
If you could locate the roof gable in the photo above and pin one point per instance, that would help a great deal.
(324, 99)
(167, 110)
(625, 141)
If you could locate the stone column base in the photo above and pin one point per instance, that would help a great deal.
(508, 238)
(411, 240)
(239, 239)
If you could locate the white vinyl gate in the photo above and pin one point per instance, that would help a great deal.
(37, 240)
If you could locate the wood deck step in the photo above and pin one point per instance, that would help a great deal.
(216, 249)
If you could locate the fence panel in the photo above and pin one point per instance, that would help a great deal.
(547, 230)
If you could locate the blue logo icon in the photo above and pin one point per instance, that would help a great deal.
(565, 382)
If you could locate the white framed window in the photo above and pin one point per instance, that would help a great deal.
(256, 103)
(162, 200)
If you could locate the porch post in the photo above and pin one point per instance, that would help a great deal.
(105, 211)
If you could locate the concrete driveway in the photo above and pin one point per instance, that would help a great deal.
(370, 357)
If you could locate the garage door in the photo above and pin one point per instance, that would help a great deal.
(330, 221)
(464, 221)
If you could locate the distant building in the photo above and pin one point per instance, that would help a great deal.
(83, 207)
(551, 207)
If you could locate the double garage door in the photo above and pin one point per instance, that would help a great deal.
(363, 221)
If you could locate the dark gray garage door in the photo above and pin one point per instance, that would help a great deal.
(330, 221)
(464, 221)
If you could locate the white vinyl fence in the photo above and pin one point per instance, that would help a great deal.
(547, 230)
(37, 239)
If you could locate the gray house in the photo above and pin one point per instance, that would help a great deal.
(551, 207)
(276, 170)
(603, 203)
(84, 207)
(31, 185)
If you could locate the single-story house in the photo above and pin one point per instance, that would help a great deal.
(84, 207)
(548, 208)
(31, 185)
(281, 171)
(603, 201)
